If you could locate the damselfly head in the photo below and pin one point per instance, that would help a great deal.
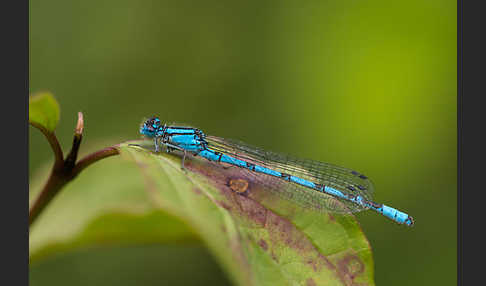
(150, 127)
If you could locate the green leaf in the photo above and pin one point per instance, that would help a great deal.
(257, 238)
(106, 205)
(44, 110)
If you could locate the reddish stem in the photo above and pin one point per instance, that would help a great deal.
(52, 139)
(65, 170)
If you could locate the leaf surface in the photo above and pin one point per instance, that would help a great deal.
(44, 110)
(258, 239)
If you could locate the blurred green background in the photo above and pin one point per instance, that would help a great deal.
(370, 85)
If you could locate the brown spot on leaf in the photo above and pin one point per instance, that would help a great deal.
(350, 267)
(274, 257)
(310, 282)
(263, 244)
(331, 217)
(238, 185)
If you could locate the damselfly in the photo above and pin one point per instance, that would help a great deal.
(308, 182)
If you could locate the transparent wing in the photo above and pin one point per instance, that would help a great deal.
(343, 179)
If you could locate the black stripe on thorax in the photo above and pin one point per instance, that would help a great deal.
(177, 127)
(172, 134)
